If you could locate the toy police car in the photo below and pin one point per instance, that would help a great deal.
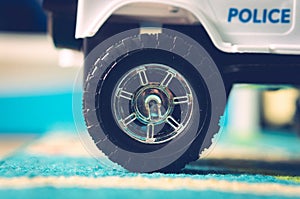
(158, 73)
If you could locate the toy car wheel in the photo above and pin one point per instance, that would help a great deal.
(148, 104)
(297, 117)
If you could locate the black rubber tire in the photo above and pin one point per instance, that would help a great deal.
(297, 117)
(173, 51)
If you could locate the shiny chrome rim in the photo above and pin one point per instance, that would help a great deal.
(152, 103)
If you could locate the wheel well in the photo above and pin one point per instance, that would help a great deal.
(90, 21)
(156, 13)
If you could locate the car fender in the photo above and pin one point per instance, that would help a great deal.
(226, 22)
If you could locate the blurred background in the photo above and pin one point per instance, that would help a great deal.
(36, 88)
(36, 80)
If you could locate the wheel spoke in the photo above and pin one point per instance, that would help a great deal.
(143, 77)
(181, 100)
(168, 78)
(150, 133)
(125, 94)
(173, 123)
(130, 118)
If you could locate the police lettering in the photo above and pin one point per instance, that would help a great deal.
(258, 16)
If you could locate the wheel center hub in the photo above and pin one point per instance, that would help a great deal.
(152, 104)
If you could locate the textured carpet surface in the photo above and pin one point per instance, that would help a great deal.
(57, 166)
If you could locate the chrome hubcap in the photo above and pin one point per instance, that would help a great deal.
(152, 103)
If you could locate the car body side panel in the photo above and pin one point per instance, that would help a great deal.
(268, 26)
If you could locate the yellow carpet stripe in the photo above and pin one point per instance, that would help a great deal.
(147, 183)
(290, 178)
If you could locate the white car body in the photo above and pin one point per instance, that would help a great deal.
(258, 26)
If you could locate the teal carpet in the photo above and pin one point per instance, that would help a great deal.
(123, 193)
(49, 168)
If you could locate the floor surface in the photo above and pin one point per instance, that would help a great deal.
(56, 165)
